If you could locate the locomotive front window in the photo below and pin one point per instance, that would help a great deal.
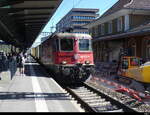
(85, 45)
(66, 44)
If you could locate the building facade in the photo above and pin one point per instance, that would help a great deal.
(76, 18)
(125, 26)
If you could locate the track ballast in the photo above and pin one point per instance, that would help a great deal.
(94, 100)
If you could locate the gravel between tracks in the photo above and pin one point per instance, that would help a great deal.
(130, 102)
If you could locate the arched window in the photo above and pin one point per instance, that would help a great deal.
(132, 47)
(148, 49)
(95, 50)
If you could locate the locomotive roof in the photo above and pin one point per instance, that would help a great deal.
(62, 35)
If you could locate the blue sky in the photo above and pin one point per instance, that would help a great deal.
(67, 5)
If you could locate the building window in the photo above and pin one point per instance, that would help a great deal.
(119, 24)
(133, 49)
(110, 27)
(99, 30)
(102, 29)
(96, 31)
(148, 50)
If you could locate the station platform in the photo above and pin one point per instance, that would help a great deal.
(34, 91)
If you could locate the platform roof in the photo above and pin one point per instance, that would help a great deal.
(21, 21)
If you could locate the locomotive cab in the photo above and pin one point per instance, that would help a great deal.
(130, 62)
(132, 67)
(74, 50)
(75, 57)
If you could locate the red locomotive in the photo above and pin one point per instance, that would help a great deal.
(69, 55)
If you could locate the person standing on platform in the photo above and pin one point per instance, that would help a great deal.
(12, 65)
(21, 62)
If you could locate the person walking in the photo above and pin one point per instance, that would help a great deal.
(21, 62)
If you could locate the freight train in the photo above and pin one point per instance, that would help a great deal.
(68, 55)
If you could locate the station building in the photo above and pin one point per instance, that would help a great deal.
(76, 18)
(125, 26)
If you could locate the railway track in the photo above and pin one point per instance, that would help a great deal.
(99, 98)
(124, 100)
(93, 100)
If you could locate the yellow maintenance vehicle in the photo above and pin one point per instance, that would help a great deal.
(139, 74)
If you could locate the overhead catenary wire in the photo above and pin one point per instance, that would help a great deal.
(75, 4)
(62, 6)
(78, 3)
(55, 15)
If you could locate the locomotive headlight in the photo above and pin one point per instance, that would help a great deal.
(87, 62)
(76, 56)
(64, 62)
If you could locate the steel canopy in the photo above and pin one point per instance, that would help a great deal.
(21, 21)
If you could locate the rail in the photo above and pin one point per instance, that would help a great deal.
(93, 100)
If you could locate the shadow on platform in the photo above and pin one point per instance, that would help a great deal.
(38, 70)
(32, 96)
